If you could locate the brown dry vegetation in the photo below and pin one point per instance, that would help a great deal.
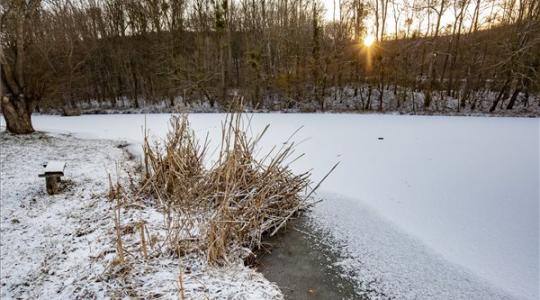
(232, 204)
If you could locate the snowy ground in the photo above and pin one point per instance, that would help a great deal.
(404, 101)
(442, 207)
(63, 246)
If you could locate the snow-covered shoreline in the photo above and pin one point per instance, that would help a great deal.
(349, 100)
(62, 246)
(128, 111)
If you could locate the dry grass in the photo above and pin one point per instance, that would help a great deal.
(230, 205)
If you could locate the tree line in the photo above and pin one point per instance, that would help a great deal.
(276, 54)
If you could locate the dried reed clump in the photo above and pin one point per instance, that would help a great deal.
(233, 203)
(175, 172)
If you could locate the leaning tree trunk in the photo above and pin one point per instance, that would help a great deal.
(500, 96)
(513, 98)
(17, 113)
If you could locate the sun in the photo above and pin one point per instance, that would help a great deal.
(369, 40)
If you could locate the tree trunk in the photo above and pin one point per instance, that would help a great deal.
(513, 98)
(501, 94)
(17, 114)
(16, 108)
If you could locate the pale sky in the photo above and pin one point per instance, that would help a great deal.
(447, 18)
(329, 5)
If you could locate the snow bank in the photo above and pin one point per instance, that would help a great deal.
(466, 188)
(63, 246)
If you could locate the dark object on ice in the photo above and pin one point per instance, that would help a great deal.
(71, 112)
(381, 138)
(52, 173)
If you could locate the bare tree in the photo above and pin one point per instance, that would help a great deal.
(18, 99)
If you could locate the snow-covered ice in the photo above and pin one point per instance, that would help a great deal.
(464, 189)
(378, 256)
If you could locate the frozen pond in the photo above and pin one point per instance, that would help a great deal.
(466, 188)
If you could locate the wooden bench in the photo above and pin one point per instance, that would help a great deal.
(52, 172)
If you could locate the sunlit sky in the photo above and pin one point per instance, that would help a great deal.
(447, 18)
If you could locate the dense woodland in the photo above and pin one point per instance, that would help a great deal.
(275, 54)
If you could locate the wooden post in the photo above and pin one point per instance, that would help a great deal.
(51, 182)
